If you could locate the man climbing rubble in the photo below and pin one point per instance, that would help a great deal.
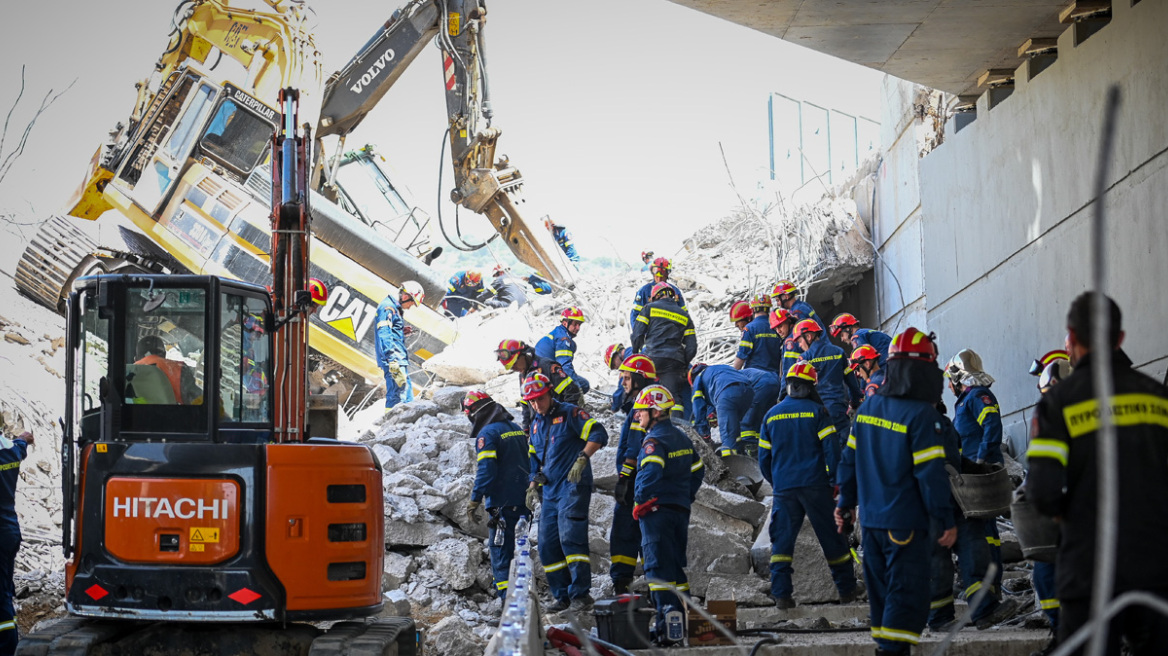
(501, 478)
(664, 331)
(736, 400)
(391, 352)
(563, 441)
(505, 290)
(560, 345)
(624, 540)
(514, 355)
(661, 268)
(793, 454)
(464, 292)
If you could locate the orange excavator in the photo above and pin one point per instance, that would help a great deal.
(202, 515)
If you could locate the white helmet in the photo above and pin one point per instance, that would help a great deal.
(1053, 374)
(966, 368)
(414, 291)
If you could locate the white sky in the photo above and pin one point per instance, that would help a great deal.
(612, 109)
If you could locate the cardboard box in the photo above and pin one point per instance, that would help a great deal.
(703, 634)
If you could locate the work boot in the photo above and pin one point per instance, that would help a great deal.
(783, 603)
(943, 627)
(581, 604)
(1002, 612)
(623, 585)
(559, 606)
(1049, 648)
(855, 594)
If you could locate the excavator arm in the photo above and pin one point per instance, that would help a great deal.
(484, 184)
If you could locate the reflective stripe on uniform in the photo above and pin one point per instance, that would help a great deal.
(555, 567)
(483, 455)
(941, 603)
(851, 442)
(587, 429)
(659, 313)
(1048, 604)
(563, 385)
(696, 466)
(763, 444)
(972, 590)
(988, 410)
(648, 459)
(624, 560)
(841, 560)
(642, 319)
(926, 455)
(698, 394)
(827, 431)
(578, 558)
(747, 433)
(501, 585)
(10, 624)
(896, 635)
(994, 542)
(689, 332)
(746, 344)
(1126, 410)
(1044, 448)
(781, 558)
(565, 353)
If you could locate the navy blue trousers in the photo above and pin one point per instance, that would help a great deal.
(1043, 581)
(732, 406)
(624, 542)
(395, 394)
(896, 568)
(766, 394)
(502, 554)
(973, 559)
(664, 538)
(563, 539)
(787, 511)
(9, 634)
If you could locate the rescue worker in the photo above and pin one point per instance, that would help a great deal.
(560, 345)
(564, 238)
(865, 364)
(563, 440)
(760, 346)
(740, 315)
(614, 355)
(12, 452)
(660, 269)
(390, 344)
(978, 420)
(636, 373)
(893, 466)
(538, 285)
(783, 322)
(646, 258)
(669, 474)
(464, 291)
(664, 331)
(846, 328)
(837, 388)
(793, 453)
(786, 295)
(1040, 364)
(1064, 475)
(505, 290)
(151, 350)
(514, 355)
(724, 392)
(501, 479)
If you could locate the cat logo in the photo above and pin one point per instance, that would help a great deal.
(348, 313)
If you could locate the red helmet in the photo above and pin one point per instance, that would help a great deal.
(654, 397)
(613, 351)
(1040, 364)
(784, 287)
(535, 386)
(840, 322)
(663, 263)
(806, 326)
(640, 364)
(695, 371)
(803, 370)
(572, 313)
(645, 255)
(660, 289)
(740, 311)
(318, 290)
(780, 316)
(499, 270)
(761, 303)
(473, 398)
(508, 352)
(915, 345)
(474, 276)
(863, 354)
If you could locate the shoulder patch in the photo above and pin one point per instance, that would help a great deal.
(649, 447)
(558, 420)
(937, 427)
(987, 399)
(582, 414)
(482, 443)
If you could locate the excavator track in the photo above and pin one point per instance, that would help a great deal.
(50, 260)
(76, 636)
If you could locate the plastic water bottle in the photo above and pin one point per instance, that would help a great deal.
(500, 532)
(674, 626)
(522, 525)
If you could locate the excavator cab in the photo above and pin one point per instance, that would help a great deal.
(178, 503)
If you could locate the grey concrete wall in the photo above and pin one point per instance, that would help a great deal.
(1005, 206)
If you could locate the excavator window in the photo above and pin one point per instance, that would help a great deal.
(94, 340)
(237, 137)
(245, 360)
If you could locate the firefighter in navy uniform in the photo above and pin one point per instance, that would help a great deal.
(464, 292)
(668, 478)
(12, 452)
(563, 238)
(836, 387)
(793, 456)
(664, 332)
(846, 328)
(560, 345)
(760, 347)
(1064, 478)
(563, 440)
(514, 355)
(614, 356)
(786, 295)
(501, 479)
(783, 323)
(865, 365)
(893, 466)
(660, 269)
(624, 541)
(721, 391)
(390, 343)
(741, 315)
(978, 420)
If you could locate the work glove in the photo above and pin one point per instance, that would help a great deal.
(624, 488)
(407, 330)
(577, 470)
(532, 497)
(396, 373)
(644, 508)
(583, 383)
(472, 509)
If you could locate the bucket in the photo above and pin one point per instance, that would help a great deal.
(745, 470)
(1037, 534)
(982, 496)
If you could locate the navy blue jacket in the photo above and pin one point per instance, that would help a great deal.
(9, 476)
(559, 345)
(874, 338)
(793, 450)
(761, 347)
(894, 466)
(803, 310)
(558, 437)
(664, 330)
(391, 337)
(563, 387)
(539, 285)
(618, 397)
(629, 447)
(668, 467)
(502, 474)
(642, 299)
(709, 387)
(564, 239)
(829, 362)
(874, 383)
(978, 420)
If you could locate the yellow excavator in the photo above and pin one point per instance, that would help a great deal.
(190, 168)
